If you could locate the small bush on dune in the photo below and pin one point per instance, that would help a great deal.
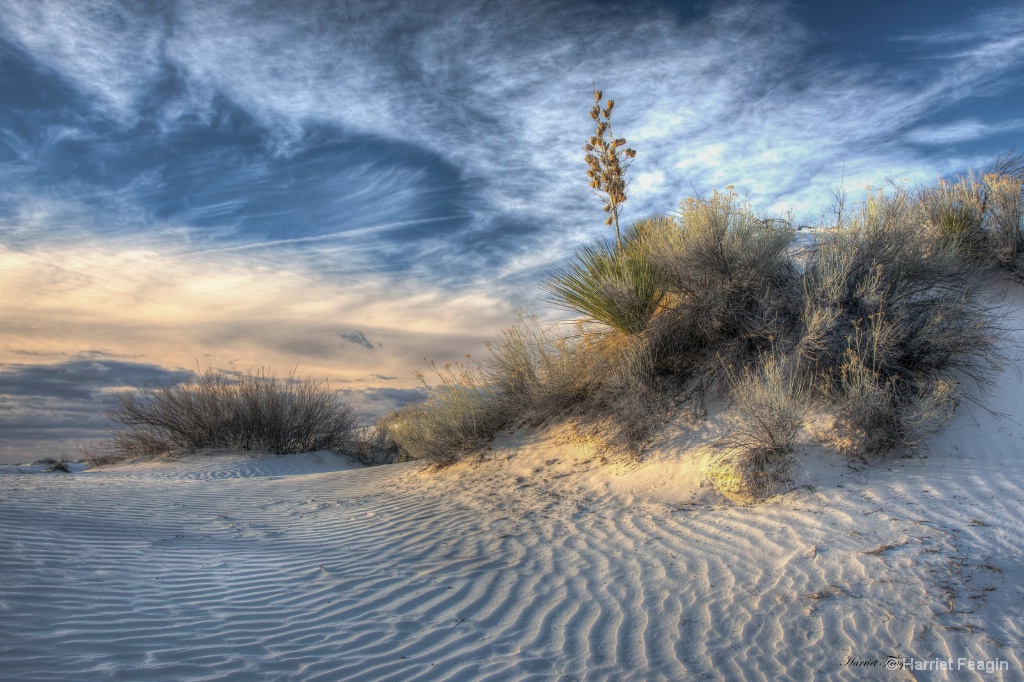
(246, 411)
(757, 457)
(459, 413)
(626, 402)
(982, 217)
(874, 417)
(891, 316)
(537, 374)
(729, 279)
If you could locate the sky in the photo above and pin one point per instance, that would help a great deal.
(346, 189)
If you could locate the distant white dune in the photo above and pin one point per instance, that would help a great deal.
(538, 560)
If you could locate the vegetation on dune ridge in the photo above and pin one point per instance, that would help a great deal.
(875, 323)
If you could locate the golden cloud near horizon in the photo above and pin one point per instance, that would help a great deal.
(178, 311)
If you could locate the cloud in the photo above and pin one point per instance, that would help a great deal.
(373, 403)
(133, 300)
(358, 338)
(236, 181)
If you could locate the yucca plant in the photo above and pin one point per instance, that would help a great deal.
(607, 159)
(614, 284)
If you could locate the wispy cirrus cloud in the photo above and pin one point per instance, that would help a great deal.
(252, 180)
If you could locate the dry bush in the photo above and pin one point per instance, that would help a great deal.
(460, 413)
(955, 214)
(981, 217)
(374, 446)
(1006, 221)
(601, 379)
(892, 315)
(757, 457)
(54, 464)
(246, 411)
(626, 402)
(873, 417)
(731, 284)
(916, 310)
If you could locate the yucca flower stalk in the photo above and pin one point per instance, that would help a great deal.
(607, 159)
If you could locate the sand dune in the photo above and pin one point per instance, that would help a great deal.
(540, 559)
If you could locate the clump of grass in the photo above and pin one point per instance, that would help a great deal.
(245, 411)
(460, 412)
(757, 457)
(613, 284)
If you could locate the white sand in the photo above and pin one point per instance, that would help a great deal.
(537, 561)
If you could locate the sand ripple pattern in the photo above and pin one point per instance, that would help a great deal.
(235, 570)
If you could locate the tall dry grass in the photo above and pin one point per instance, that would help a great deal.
(461, 411)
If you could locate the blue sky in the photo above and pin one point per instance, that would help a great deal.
(351, 187)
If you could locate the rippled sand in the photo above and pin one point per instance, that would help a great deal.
(539, 560)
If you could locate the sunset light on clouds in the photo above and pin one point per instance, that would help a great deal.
(349, 188)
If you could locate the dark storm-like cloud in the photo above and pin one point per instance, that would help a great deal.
(82, 378)
(358, 338)
(46, 408)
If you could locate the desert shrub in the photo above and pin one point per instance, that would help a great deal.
(874, 417)
(54, 464)
(246, 411)
(375, 446)
(460, 412)
(914, 309)
(955, 214)
(626, 402)
(614, 284)
(891, 316)
(600, 378)
(1006, 220)
(730, 282)
(757, 457)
